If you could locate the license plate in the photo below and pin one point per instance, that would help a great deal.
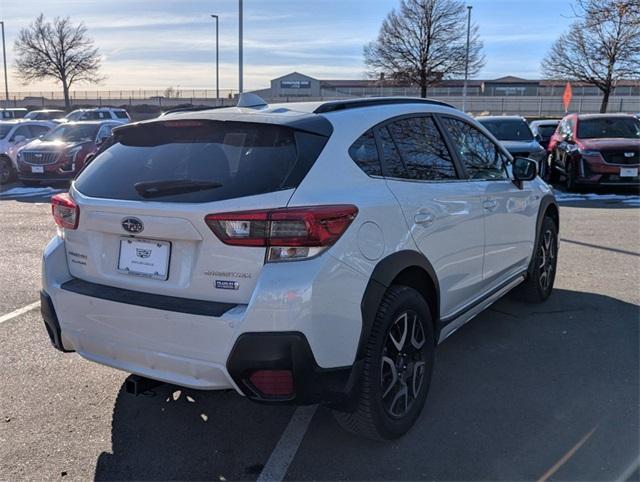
(145, 257)
(628, 172)
(37, 169)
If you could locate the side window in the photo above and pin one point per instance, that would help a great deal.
(481, 157)
(37, 131)
(104, 132)
(422, 149)
(22, 131)
(364, 152)
(392, 165)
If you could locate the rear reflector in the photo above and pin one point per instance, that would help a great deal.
(274, 383)
(289, 233)
(66, 212)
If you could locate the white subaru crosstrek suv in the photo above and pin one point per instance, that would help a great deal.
(296, 253)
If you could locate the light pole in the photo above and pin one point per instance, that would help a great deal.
(4, 57)
(466, 61)
(217, 61)
(240, 47)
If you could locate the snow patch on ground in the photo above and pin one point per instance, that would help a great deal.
(630, 200)
(24, 192)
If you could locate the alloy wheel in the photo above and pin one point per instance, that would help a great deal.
(403, 365)
(547, 259)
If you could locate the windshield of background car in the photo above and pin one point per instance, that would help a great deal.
(546, 131)
(4, 130)
(613, 127)
(73, 133)
(509, 130)
(74, 116)
(236, 158)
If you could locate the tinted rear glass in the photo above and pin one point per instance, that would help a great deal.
(546, 131)
(621, 127)
(120, 114)
(241, 159)
(509, 130)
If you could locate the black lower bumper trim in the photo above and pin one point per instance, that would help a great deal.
(148, 300)
(51, 322)
(290, 351)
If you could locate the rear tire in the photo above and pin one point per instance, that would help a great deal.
(398, 364)
(542, 270)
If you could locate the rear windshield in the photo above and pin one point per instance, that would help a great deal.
(120, 114)
(547, 131)
(620, 127)
(73, 133)
(509, 129)
(207, 160)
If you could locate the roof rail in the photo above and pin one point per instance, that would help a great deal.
(373, 101)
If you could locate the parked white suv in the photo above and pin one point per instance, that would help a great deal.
(297, 253)
(14, 135)
(99, 113)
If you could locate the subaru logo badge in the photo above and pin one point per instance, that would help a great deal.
(132, 225)
(629, 154)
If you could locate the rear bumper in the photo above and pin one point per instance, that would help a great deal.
(296, 327)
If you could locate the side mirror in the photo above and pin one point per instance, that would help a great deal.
(524, 169)
(537, 137)
(100, 141)
(19, 139)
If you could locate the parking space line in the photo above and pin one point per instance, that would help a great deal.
(19, 311)
(567, 456)
(276, 467)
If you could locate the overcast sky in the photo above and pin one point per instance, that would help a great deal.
(155, 44)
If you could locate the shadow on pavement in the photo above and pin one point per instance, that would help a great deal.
(159, 438)
(513, 392)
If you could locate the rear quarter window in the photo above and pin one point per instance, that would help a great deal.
(244, 159)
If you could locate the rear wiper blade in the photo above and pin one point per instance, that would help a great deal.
(150, 189)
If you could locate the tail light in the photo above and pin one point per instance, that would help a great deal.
(66, 212)
(287, 233)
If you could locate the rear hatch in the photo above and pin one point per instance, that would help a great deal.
(143, 202)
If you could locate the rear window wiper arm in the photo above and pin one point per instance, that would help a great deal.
(150, 189)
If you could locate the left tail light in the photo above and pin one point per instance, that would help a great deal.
(287, 233)
(66, 213)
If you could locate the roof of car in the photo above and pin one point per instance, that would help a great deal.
(601, 116)
(499, 117)
(298, 115)
(545, 122)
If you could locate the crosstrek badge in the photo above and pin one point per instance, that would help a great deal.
(227, 285)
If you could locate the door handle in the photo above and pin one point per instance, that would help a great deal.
(423, 218)
(490, 204)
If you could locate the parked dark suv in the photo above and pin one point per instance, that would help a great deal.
(596, 149)
(60, 154)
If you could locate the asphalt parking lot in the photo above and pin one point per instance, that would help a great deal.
(523, 392)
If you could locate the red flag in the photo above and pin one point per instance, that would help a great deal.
(566, 97)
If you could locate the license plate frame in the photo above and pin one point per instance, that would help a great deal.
(37, 169)
(133, 250)
(628, 172)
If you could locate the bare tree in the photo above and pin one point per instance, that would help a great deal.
(423, 42)
(601, 47)
(57, 50)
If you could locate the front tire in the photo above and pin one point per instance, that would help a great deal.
(542, 271)
(398, 364)
(7, 173)
(571, 177)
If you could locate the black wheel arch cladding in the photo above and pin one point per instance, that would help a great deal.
(386, 271)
